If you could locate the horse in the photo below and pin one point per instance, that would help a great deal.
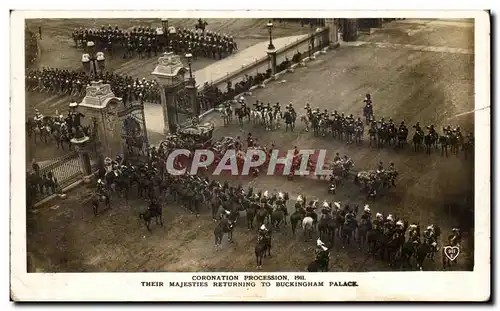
(42, 130)
(294, 220)
(267, 117)
(96, 199)
(261, 216)
(289, 120)
(417, 139)
(277, 217)
(347, 232)
(262, 249)
(365, 226)
(455, 141)
(241, 113)
(201, 25)
(305, 119)
(251, 210)
(422, 251)
(307, 227)
(444, 141)
(429, 141)
(224, 113)
(224, 226)
(358, 134)
(152, 212)
(256, 117)
(61, 137)
(372, 132)
(327, 227)
(402, 135)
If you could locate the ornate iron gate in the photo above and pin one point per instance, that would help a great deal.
(133, 130)
(183, 107)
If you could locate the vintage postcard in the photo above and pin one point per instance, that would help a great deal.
(250, 156)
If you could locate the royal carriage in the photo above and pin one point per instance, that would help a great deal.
(199, 134)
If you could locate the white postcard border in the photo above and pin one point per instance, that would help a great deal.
(387, 286)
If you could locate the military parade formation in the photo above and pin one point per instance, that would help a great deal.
(146, 41)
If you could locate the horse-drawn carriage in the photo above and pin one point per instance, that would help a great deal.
(200, 134)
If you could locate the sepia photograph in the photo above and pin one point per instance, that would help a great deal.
(276, 144)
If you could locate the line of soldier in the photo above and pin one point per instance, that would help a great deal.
(148, 40)
(74, 83)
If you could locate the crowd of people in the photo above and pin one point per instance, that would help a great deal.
(145, 41)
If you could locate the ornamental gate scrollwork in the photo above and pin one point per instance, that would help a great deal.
(133, 130)
(183, 105)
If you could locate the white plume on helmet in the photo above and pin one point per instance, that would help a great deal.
(337, 204)
(400, 223)
(299, 198)
(263, 227)
(319, 242)
(367, 208)
(379, 215)
(325, 204)
(390, 218)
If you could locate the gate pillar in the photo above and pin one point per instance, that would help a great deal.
(272, 57)
(170, 73)
(333, 32)
(81, 146)
(100, 109)
(192, 94)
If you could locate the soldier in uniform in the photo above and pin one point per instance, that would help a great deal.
(277, 109)
(322, 255)
(311, 211)
(414, 234)
(389, 222)
(358, 122)
(263, 232)
(455, 237)
(399, 227)
(308, 108)
(378, 222)
(256, 106)
(417, 128)
(368, 99)
(402, 126)
(250, 140)
(380, 167)
(350, 119)
(367, 213)
(38, 118)
(337, 157)
(430, 236)
(432, 130)
(391, 170)
(101, 188)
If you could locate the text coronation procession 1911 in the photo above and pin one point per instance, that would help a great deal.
(288, 93)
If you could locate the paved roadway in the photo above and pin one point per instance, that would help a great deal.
(406, 84)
